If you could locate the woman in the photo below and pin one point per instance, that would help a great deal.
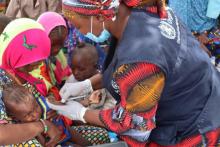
(17, 47)
(160, 103)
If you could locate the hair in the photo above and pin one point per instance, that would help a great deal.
(58, 31)
(87, 50)
(4, 22)
(13, 93)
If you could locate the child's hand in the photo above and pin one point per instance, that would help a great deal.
(52, 100)
(52, 114)
(95, 97)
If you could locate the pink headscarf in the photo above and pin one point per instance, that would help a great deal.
(50, 20)
(23, 42)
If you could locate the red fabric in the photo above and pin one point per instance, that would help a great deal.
(127, 77)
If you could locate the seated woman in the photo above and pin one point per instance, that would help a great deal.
(17, 46)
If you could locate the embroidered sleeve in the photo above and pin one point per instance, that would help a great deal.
(140, 86)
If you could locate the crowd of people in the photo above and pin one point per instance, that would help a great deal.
(88, 72)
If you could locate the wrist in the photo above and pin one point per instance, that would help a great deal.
(45, 126)
(89, 88)
(82, 114)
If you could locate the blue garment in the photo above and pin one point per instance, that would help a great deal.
(190, 98)
(213, 10)
(193, 14)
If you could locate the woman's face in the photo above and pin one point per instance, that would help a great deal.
(30, 67)
(57, 37)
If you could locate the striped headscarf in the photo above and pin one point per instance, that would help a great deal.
(108, 8)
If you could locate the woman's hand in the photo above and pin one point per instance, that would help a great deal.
(75, 89)
(53, 133)
(72, 109)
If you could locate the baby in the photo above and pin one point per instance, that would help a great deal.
(23, 107)
(84, 65)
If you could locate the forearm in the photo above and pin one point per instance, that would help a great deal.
(12, 9)
(92, 117)
(53, 5)
(96, 81)
(17, 133)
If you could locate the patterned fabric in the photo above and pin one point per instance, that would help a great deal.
(107, 8)
(140, 86)
(210, 139)
(193, 14)
(94, 135)
(18, 35)
(58, 69)
(214, 44)
(4, 80)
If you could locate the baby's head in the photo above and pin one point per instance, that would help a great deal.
(84, 61)
(20, 104)
(55, 27)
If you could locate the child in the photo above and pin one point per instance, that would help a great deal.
(22, 107)
(56, 70)
(84, 66)
(57, 31)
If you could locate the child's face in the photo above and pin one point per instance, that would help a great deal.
(82, 67)
(27, 111)
(57, 37)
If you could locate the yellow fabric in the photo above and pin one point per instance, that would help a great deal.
(37, 74)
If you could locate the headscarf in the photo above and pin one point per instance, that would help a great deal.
(108, 8)
(50, 20)
(23, 42)
(105, 8)
(58, 68)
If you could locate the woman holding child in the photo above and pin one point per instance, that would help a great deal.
(160, 103)
(17, 47)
